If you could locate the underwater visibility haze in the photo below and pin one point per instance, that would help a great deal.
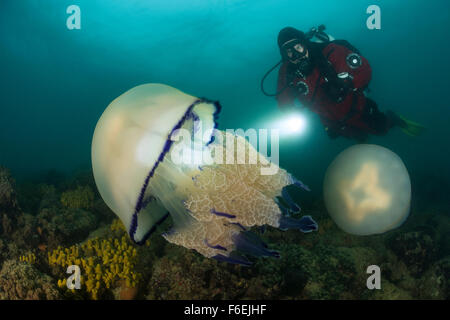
(224, 149)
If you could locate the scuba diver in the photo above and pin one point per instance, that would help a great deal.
(330, 77)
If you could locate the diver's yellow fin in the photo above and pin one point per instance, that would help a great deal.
(411, 128)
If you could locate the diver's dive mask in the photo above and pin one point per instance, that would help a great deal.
(292, 54)
(299, 59)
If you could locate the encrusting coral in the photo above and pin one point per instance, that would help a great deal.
(10, 214)
(329, 264)
(103, 262)
(30, 258)
(8, 198)
(80, 198)
(19, 280)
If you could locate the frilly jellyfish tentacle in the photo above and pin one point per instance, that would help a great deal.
(240, 226)
(217, 246)
(249, 243)
(223, 214)
(305, 224)
(285, 211)
(299, 184)
(233, 259)
(286, 197)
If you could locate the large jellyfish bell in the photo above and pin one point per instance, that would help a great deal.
(367, 190)
(136, 162)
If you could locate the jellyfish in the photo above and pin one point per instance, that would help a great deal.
(367, 190)
(146, 165)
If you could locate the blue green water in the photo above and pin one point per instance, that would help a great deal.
(55, 82)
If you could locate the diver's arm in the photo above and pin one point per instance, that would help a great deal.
(286, 100)
(346, 61)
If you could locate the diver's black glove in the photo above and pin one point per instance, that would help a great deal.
(337, 88)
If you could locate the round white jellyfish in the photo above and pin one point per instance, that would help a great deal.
(367, 190)
(156, 153)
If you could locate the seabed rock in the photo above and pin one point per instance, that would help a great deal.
(22, 281)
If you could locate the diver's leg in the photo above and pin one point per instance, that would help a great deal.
(409, 127)
(379, 122)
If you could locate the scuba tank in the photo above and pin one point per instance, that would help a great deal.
(314, 35)
(318, 35)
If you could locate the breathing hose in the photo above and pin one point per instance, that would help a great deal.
(264, 78)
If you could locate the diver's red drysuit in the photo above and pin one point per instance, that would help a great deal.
(355, 115)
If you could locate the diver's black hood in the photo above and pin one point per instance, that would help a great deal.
(289, 33)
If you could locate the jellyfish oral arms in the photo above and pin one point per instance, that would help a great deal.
(367, 190)
(146, 170)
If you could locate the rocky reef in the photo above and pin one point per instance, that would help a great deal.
(49, 225)
(23, 281)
